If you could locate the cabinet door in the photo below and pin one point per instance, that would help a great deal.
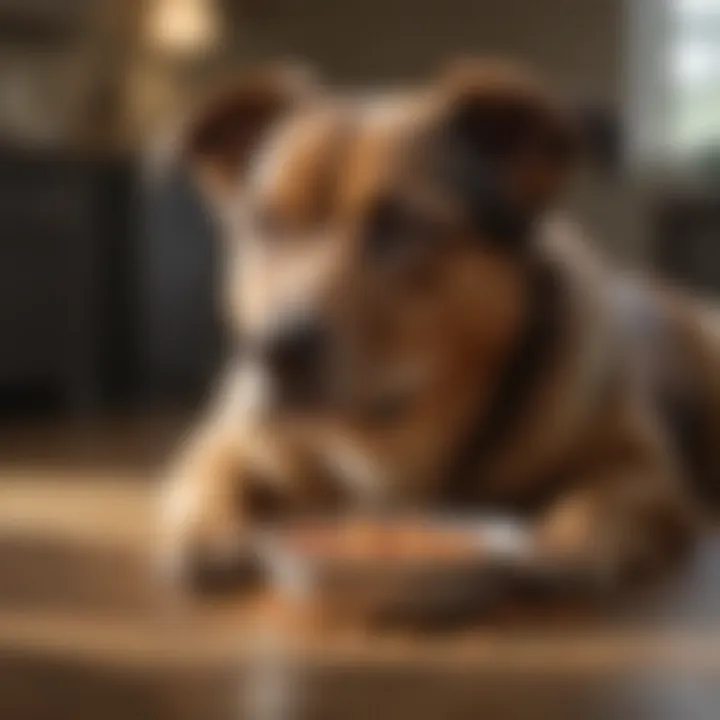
(687, 247)
(45, 276)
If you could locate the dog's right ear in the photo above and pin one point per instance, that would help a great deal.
(510, 142)
(216, 141)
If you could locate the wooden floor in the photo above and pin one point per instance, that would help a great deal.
(87, 630)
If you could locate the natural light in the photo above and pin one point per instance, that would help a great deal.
(695, 63)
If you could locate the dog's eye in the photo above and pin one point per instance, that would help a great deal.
(394, 230)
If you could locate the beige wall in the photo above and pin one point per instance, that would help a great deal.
(575, 41)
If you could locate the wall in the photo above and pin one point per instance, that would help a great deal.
(577, 42)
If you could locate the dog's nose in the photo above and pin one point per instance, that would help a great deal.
(295, 354)
(295, 346)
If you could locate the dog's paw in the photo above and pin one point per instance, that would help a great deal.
(205, 542)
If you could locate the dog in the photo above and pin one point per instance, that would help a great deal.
(419, 326)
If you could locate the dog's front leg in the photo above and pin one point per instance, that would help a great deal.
(622, 508)
(618, 525)
(615, 527)
(234, 470)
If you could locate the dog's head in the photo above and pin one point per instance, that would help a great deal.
(378, 243)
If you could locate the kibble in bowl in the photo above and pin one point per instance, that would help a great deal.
(401, 566)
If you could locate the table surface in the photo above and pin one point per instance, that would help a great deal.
(84, 615)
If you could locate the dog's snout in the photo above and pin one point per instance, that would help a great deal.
(295, 345)
(295, 354)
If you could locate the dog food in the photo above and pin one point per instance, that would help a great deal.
(366, 540)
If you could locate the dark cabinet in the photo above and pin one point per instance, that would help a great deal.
(686, 245)
(64, 296)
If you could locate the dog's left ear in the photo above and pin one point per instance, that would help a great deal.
(215, 141)
(508, 146)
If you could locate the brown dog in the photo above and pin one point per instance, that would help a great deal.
(418, 330)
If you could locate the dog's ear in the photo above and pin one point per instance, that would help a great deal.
(508, 145)
(215, 141)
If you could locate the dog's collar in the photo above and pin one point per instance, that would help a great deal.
(539, 340)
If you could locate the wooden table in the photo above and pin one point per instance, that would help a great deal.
(87, 630)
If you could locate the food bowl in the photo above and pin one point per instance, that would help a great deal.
(399, 567)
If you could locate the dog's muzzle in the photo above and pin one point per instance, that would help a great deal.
(296, 355)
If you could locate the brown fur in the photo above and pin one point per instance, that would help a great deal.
(425, 338)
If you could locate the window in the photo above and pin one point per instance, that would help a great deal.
(695, 73)
(674, 50)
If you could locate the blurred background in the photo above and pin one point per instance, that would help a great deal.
(109, 332)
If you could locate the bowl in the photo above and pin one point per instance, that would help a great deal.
(403, 567)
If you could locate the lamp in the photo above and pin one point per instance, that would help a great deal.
(183, 27)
